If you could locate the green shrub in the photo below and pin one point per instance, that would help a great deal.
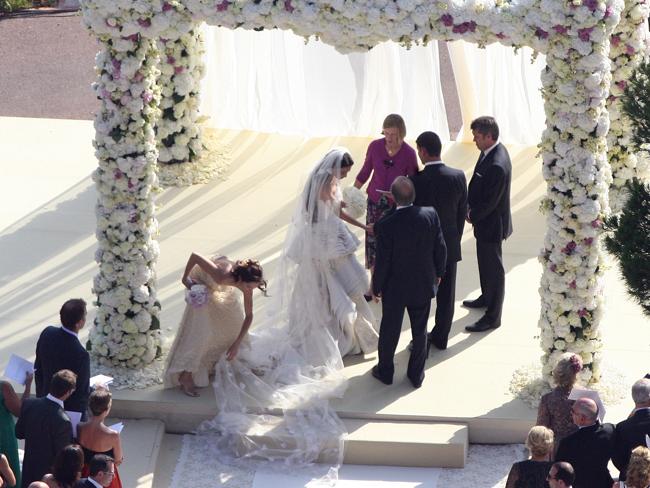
(629, 241)
(11, 5)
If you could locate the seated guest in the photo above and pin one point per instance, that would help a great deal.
(638, 470)
(561, 475)
(45, 427)
(95, 438)
(532, 472)
(59, 348)
(589, 449)
(102, 472)
(10, 404)
(7, 478)
(38, 484)
(66, 471)
(631, 433)
(555, 407)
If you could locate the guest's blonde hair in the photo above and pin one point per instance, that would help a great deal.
(540, 441)
(638, 470)
(566, 370)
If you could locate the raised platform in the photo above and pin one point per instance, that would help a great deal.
(47, 247)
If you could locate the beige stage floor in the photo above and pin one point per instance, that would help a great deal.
(47, 246)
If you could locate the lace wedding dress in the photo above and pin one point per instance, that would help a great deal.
(205, 332)
(273, 398)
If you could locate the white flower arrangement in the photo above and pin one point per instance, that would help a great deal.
(355, 202)
(197, 295)
(579, 87)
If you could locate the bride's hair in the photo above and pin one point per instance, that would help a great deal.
(249, 270)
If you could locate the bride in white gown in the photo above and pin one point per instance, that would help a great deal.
(291, 364)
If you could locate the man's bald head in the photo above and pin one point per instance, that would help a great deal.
(403, 191)
(585, 412)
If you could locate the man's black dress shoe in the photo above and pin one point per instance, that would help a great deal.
(375, 372)
(416, 384)
(478, 303)
(481, 327)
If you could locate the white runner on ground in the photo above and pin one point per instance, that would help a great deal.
(487, 467)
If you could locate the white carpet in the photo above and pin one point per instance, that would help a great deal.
(487, 467)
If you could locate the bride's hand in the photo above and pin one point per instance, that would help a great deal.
(232, 351)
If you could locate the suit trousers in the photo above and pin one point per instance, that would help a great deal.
(389, 332)
(493, 280)
(445, 299)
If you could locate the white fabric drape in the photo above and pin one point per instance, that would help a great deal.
(271, 81)
(496, 81)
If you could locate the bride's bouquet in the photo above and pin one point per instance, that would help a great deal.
(196, 296)
(355, 202)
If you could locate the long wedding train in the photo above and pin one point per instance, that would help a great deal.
(47, 249)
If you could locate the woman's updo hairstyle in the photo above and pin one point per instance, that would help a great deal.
(346, 160)
(249, 270)
(99, 401)
(566, 370)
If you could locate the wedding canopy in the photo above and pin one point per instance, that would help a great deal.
(149, 71)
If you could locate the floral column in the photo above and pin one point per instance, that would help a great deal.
(126, 327)
(178, 130)
(575, 85)
(628, 44)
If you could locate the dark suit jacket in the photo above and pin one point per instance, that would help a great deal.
(46, 429)
(84, 483)
(489, 196)
(57, 350)
(444, 189)
(630, 434)
(589, 450)
(411, 254)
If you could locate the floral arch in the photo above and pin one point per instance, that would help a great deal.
(149, 69)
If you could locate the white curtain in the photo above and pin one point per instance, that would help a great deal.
(496, 81)
(271, 81)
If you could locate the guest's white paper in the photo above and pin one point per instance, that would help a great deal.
(593, 394)
(117, 427)
(101, 380)
(647, 440)
(75, 418)
(17, 369)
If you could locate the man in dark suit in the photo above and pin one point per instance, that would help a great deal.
(411, 258)
(59, 348)
(102, 471)
(45, 427)
(590, 448)
(489, 213)
(444, 189)
(631, 433)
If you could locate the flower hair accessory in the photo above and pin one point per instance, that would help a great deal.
(576, 363)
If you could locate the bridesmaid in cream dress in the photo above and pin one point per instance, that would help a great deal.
(217, 327)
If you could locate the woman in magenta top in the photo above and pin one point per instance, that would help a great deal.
(386, 159)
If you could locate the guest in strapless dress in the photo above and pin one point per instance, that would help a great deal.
(10, 404)
(217, 327)
(554, 409)
(96, 438)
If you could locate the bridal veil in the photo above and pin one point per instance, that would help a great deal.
(273, 399)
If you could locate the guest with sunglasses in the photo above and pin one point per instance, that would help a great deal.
(386, 159)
